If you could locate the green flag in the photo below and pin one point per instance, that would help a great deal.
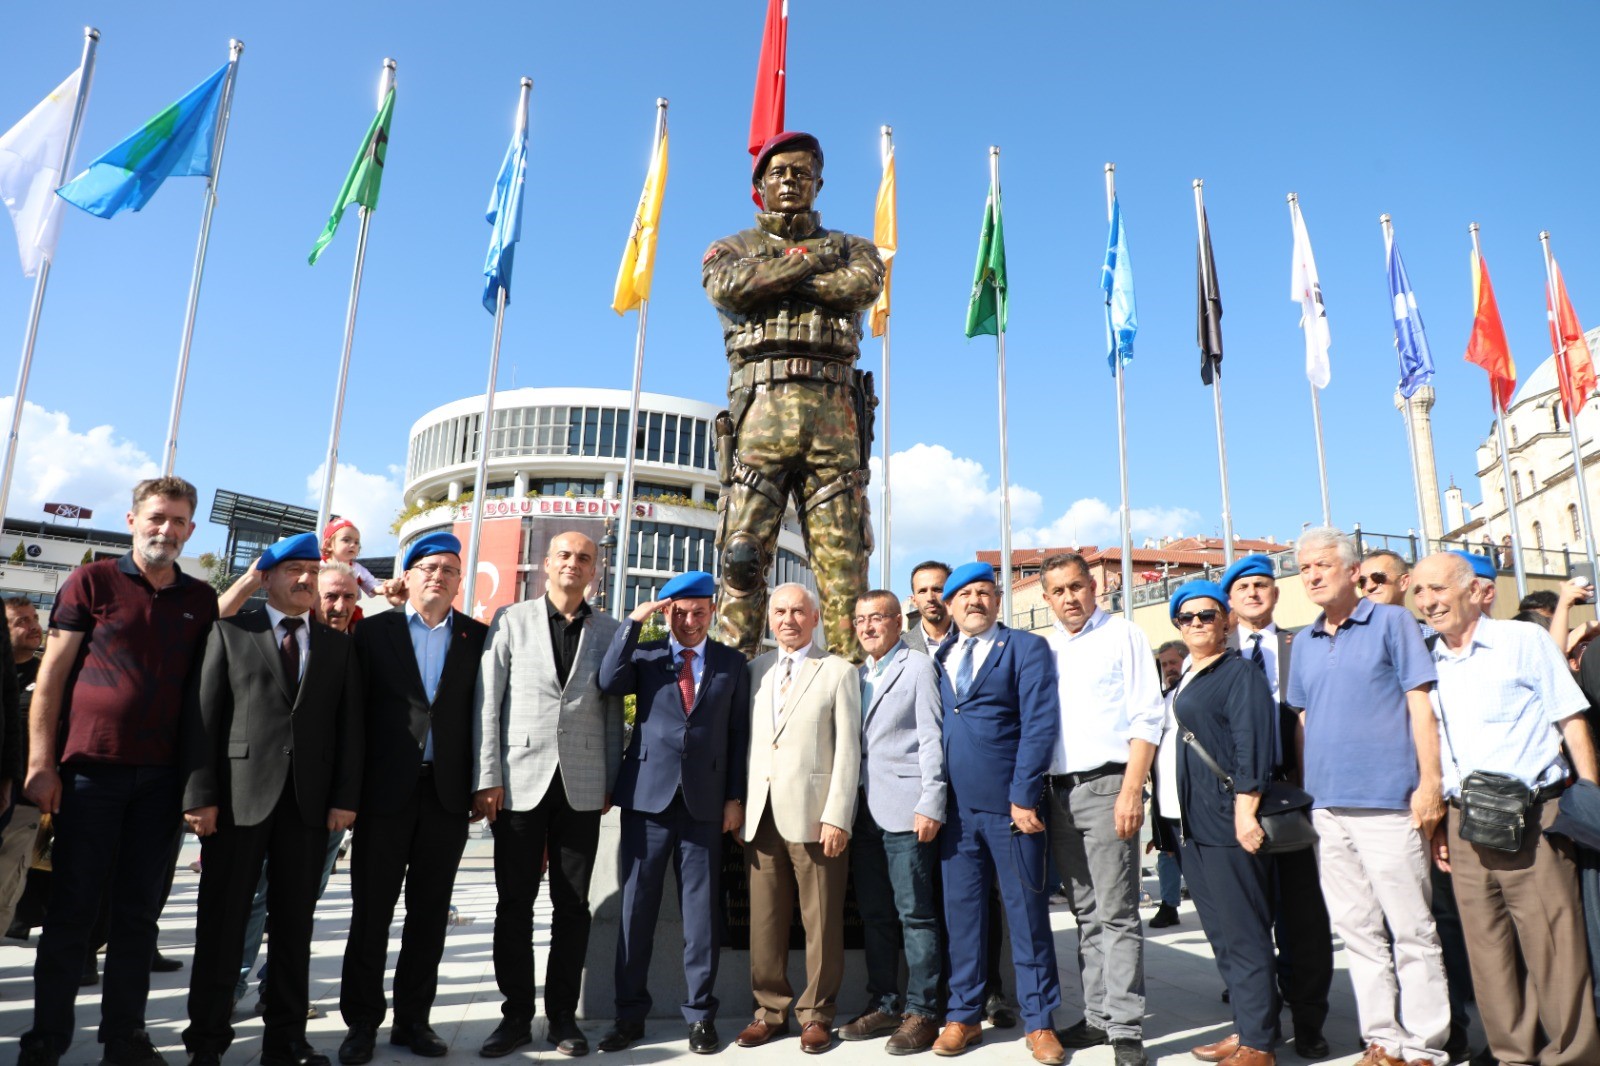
(366, 175)
(986, 312)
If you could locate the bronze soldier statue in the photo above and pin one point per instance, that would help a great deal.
(799, 420)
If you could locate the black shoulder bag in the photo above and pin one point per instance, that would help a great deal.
(1284, 813)
(1494, 807)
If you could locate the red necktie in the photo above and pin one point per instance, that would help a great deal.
(686, 680)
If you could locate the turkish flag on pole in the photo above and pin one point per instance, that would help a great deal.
(766, 110)
(1574, 366)
(1487, 346)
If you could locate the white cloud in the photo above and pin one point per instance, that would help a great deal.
(1093, 521)
(57, 464)
(369, 500)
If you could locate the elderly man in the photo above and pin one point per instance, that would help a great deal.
(682, 786)
(1111, 719)
(928, 627)
(272, 760)
(895, 859)
(337, 595)
(124, 636)
(1361, 675)
(548, 744)
(1506, 704)
(805, 764)
(1001, 724)
(1301, 929)
(421, 667)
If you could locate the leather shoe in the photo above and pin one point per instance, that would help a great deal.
(703, 1038)
(295, 1053)
(1249, 1056)
(998, 1013)
(1046, 1047)
(956, 1037)
(815, 1038)
(37, 1053)
(161, 964)
(872, 1023)
(420, 1038)
(1128, 1051)
(567, 1037)
(1310, 1044)
(131, 1049)
(358, 1045)
(620, 1035)
(1083, 1034)
(509, 1035)
(759, 1032)
(1375, 1055)
(198, 1058)
(1165, 917)
(1219, 1051)
(917, 1032)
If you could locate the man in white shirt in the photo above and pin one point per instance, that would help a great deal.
(1111, 719)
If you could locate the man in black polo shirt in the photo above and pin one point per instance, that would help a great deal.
(123, 636)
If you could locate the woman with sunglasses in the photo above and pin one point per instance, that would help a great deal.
(1224, 705)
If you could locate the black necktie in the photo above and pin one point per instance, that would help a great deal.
(1256, 655)
(289, 651)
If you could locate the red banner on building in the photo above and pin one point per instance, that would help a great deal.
(498, 555)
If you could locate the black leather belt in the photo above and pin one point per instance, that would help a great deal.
(1070, 781)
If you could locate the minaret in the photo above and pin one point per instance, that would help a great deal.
(1427, 470)
(1455, 510)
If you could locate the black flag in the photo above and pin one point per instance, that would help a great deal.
(1210, 314)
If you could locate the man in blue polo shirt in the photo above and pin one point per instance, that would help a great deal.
(1361, 675)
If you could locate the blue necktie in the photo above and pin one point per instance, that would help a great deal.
(964, 671)
(1256, 655)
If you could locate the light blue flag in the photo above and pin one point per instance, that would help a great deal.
(176, 143)
(505, 215)
(1116, 278)
(1416, 361)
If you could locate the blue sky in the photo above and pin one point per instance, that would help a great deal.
(1438, 114)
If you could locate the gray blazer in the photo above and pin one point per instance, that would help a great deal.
(902, 744)
(527, 725)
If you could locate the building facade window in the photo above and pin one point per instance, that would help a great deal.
(1516, 486)
(1538, 536)
(1577, 524)
(1513, 436)
(561, 486)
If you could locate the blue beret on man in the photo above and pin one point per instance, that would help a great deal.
(1196, 590)
(299, 546)
(694, 585)
(966, 574)
(1249, 566)
(440, 543)
(1482, 565)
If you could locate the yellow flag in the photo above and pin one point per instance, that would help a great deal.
(885, 234)
(639, 257)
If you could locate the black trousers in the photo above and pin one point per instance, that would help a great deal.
(521, 839)
(1232, 892)
(1305, 939)
(419, 846)
(231, 861)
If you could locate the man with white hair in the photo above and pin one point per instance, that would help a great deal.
(1360, 674)
(1505, 704)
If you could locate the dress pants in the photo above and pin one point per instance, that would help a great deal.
(521, 839)
(777, 872)
(1525, 937)
(1232, 893)
(894, 876)
(113, 837)
(419, 846)
(976, 848)
(230, 866)
(1305, 939)
(1101, 874)
(256, 929)
(650, 842)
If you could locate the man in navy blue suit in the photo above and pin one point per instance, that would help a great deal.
(1001, 721)
(680, 788)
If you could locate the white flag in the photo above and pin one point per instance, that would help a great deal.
(1306, 290)
(31, 168)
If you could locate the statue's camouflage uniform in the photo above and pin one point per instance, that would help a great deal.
(799, 418)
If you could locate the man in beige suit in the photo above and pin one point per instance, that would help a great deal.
(805, 765)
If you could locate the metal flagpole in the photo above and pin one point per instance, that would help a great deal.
(886, 150)
(1005, 468)
(1572, 416)
(1505, 468)
(170, 453)
(485, 427)
(625, 518)
(1122, 437)
(1216, 386)
(1316, 404)
(1406, 411)
(331, 465)
(91, 40)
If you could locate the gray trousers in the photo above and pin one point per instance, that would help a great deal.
(1101, 874)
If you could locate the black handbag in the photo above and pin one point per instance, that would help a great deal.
(1284, 811)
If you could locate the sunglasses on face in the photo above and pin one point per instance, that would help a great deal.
(1189, 618)
(1377, 579)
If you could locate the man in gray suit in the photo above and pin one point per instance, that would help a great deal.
(928, 627)
(895, 859)
(548, 745)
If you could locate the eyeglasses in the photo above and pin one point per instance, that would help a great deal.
(1377, 579)
(441, 571)
(876, 618)
(1189, 618)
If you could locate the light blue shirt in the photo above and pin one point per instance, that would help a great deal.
(872, 673)
(430, 644)
(698, 666)
(1499, 700)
